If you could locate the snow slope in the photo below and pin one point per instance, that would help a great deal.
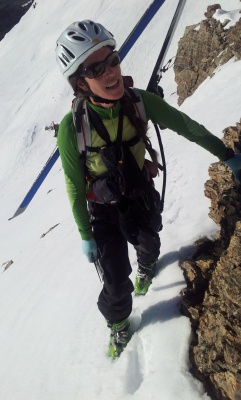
(53, 340)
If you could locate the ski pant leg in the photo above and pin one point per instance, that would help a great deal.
(148, 249)
(115, 299)
(139, 227)
(149, 223)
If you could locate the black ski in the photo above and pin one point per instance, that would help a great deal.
(157, 70)
(154, 88)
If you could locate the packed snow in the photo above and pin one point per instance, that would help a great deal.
(230, 16)
(53, 340)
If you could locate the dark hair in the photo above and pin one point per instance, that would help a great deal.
(74, 80)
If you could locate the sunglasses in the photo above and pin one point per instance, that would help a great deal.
(97, 69)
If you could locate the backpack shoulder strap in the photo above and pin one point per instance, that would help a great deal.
(82, 125)
(138, 103)
(82, 122)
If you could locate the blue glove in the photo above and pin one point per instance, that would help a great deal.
(89, 248)
(234, 164)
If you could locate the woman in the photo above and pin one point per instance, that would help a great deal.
(114, 169)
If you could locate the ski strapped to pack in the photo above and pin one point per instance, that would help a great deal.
(153, 85)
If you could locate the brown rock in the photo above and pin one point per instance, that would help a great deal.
(212, 298)
(202, 49)
(211, 10)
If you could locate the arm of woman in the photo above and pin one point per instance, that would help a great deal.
(160, 112)
(73, 166)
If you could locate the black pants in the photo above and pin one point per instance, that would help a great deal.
(115, 299)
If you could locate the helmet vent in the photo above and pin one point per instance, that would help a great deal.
(74, 35)
(79, 38)
(82, 26)
(97, 31)
(65, 58)
(62, 61)
(69, 52)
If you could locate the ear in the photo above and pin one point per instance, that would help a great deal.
(82, 84)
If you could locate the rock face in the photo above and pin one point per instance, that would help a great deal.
(11, 11)
(202, 49)
(212, 299)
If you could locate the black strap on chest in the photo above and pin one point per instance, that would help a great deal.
(101, 130)
(113, 154)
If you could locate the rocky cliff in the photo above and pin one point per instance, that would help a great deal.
(203, 48)
(212, 298)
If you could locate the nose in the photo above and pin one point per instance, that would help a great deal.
(108, 70)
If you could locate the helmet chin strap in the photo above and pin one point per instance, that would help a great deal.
(99, 99)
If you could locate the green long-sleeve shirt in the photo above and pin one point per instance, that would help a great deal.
(157, 111)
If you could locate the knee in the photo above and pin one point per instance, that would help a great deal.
(149, 241)
(120, 289)
(148, 249)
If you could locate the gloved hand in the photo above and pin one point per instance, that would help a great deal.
(89, 248)
(234, 164)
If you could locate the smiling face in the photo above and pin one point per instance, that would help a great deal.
(110, 84)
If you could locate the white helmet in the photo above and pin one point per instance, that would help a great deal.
(78, 41)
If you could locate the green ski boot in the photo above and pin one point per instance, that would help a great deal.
(144, 278)
(118, 338)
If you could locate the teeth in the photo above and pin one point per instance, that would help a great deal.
(114, 84)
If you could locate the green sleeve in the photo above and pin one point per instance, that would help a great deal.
(73, 168)
(159, 112)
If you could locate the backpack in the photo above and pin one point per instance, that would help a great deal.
(82, 122)
(125, 177)
(83, 115)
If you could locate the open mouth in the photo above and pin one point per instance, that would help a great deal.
(114, 86)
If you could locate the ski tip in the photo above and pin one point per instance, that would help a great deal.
(19, 211)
